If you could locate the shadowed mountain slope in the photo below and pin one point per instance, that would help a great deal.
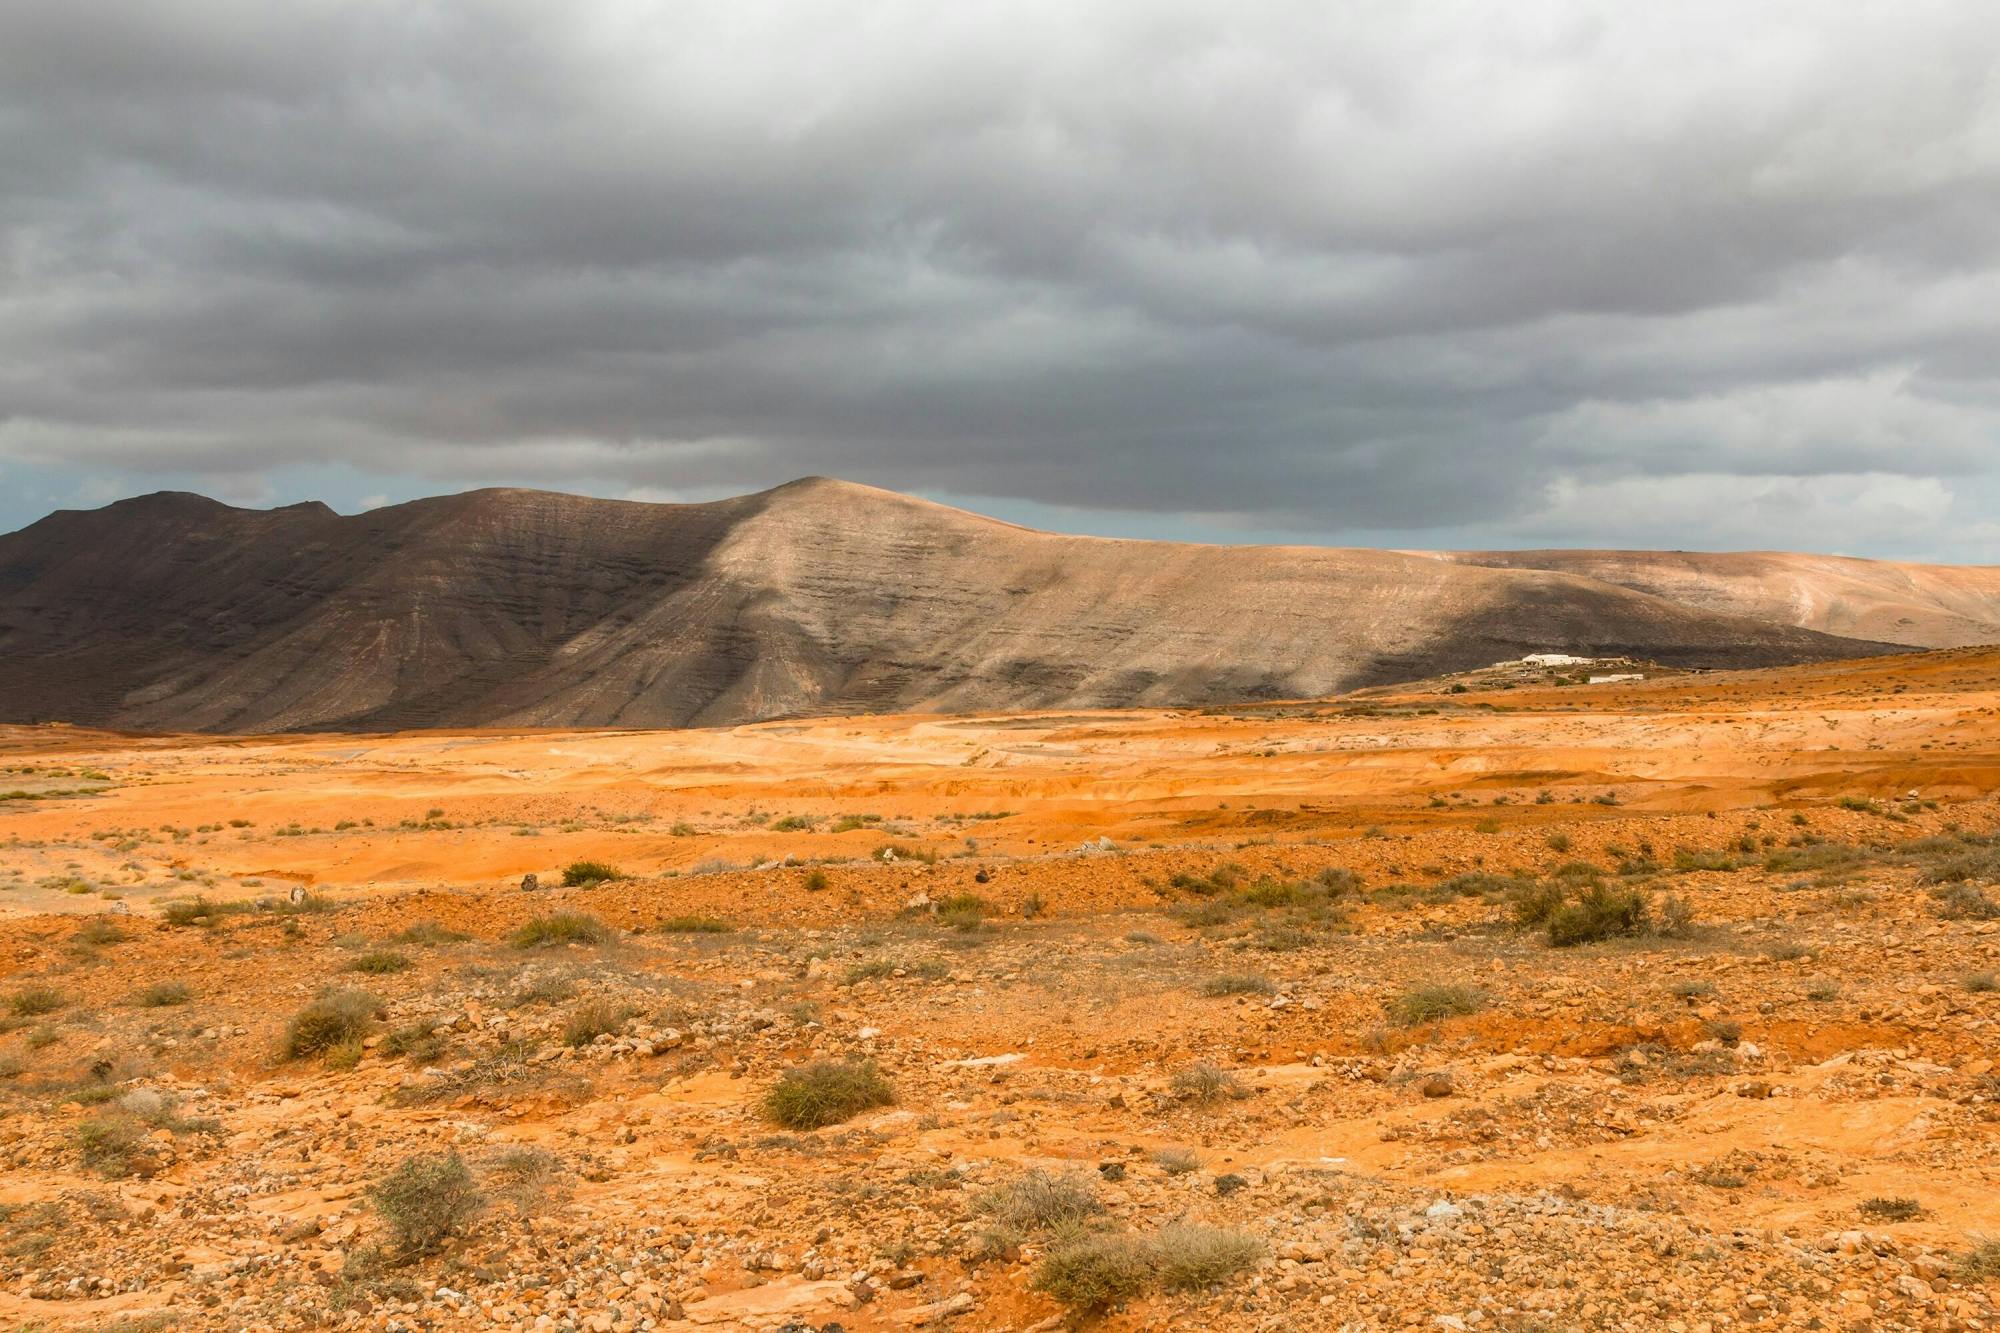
(174, 612)
(1920, 606)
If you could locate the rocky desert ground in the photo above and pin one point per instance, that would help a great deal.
(1477, 1005)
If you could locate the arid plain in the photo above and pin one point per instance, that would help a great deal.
(1655, 1005)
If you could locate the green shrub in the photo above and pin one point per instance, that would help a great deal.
(1531, 905)
(815, 881)
(826, 1092)
(562, 928)
(1598, 914)
(581, 874)
(335, 1019)
(426, 1201)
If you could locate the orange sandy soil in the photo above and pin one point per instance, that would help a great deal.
(1699, 1129)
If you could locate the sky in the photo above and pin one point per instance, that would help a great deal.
(1386, 272)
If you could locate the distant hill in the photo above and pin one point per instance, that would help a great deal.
(507, 607)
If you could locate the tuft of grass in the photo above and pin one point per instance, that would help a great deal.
(1431, 1004)
(1205, 1083)
(1040, 1201)
(380, 963)
(543, 989)
(1223, 878)
(1980, 983)
(826, 1092)
(582, 874)
(163, 995)
(337, 1019)
(113, 1143)
(415, 1042)
(118, 1140)
(815, 881)
(1981, 1263)
(561, 928)
(1188, 1256)
(34, 1001)
(695, 925)
(428, 934)
(1882, 1209)
(1238, 983)
(1965, 902)
(426, 1201)
(99, 930)
(962, 911)
(1177, 1161)
(1690, 859)
(200, 911)
(525, 1177)
(593, 1019)
(1093, 1273)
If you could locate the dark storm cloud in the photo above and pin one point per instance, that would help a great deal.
(1553, 272)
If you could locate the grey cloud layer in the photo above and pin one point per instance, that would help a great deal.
(1528, 270)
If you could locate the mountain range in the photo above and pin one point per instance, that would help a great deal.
(173, 612)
